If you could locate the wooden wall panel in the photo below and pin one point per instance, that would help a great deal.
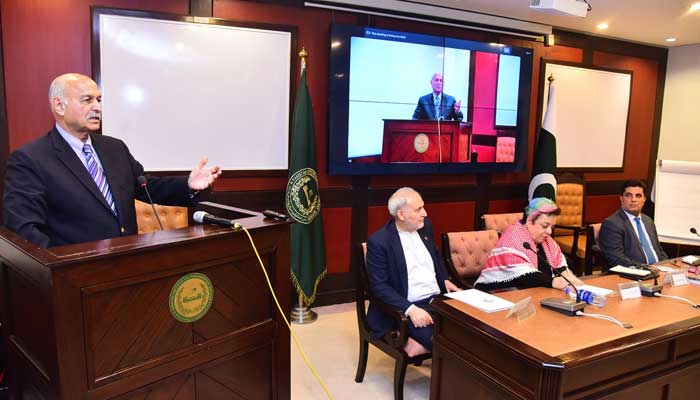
(450, 217)
(597, 208)
(506, 206)
(336, 228)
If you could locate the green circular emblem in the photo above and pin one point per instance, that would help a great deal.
(303, 200)
(191, 297)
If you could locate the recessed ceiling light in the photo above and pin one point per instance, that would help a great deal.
(695, 7)
(602, 26)
(671, 39)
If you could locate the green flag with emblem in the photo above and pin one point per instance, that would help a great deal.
(303, 202)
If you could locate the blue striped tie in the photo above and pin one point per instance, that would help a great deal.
(98, 176)
(648, 252)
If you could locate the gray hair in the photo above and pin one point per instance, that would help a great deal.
(399, 199)
(58, 86)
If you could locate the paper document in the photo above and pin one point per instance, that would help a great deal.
(481, 300)
(690, 259)
(629, 271)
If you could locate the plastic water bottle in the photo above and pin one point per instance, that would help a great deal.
(587, 297)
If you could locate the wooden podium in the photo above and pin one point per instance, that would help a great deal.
(417, 141)
(93, 320)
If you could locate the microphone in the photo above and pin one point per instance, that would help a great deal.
(556, 303)
(141, 181)
(202, 217)
(694, 231)
(274, 215)
(648, 289)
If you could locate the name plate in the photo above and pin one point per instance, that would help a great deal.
(629, 290)
(523, 309)
(676, 279)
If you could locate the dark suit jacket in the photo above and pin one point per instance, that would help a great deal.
(388, 277)
(51, 199)
(619, 242)
(426, 108)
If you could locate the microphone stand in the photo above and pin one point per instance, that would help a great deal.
(648, 289)
(142, 181)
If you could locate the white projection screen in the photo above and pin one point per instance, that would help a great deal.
(175, 91)
(591, 115)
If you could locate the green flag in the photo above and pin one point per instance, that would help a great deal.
(303, 202)
(544, 183)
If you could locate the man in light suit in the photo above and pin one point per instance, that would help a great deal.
(75, 185)
(438, 105)
(629, 237)
(405, 268)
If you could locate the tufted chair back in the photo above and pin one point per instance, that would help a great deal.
(570, 200)
(171, 217)
(499, 222)
(466, 253)
(505, 149)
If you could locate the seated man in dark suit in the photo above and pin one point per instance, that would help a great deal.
(405, 268)
(629, 237)
(75, 185)
(438, 105)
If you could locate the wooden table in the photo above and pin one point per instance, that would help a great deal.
(478, 355)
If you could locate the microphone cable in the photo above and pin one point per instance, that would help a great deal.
(605, 318)
(237, 226)
(657, 294)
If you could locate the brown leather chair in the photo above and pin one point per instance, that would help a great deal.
(466, 253)
(569, 232)
(171, 217)
(394, 342)
(593, 255)
(499, 222)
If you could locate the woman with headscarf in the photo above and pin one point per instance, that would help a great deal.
(526, 255)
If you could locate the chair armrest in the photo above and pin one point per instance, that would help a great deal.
(396, 338)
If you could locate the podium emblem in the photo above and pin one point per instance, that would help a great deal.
(191, 297)
(302, 198)
(421, 143)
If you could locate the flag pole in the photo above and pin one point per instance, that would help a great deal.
(302, 314)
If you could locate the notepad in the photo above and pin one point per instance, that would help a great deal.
(692, 260)
(630, 271)
(481, 300)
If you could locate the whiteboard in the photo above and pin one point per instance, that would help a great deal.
(174, 91)
(677, 190)
(591, 121)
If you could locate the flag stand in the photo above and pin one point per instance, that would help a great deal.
(302, 314)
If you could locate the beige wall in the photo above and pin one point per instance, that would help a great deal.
(680, 120)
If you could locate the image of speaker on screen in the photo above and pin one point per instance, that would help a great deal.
(438, 105)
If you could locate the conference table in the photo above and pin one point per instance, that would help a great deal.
(550, 355)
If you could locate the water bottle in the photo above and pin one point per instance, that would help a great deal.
(587, 297)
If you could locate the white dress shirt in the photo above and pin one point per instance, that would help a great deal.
(420, 268)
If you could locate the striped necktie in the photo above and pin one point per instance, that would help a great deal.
(648, 252)
(98, 176)
(437, 107)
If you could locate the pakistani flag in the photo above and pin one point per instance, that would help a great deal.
(543, 183)
(302, 200)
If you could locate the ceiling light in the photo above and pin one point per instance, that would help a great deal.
(671, 39)
(695, 7)
(602, 26)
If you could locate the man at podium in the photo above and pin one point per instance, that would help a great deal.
(438, 105)
(75, 185)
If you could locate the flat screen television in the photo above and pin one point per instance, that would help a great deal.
(408, 103)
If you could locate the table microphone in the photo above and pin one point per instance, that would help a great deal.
(694, 231)
(648, 289)
(142, 181)
(564, 306)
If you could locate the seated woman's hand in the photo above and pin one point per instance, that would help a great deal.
(559, 283)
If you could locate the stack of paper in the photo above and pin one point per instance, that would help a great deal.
(481, 300)
(630, 271)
